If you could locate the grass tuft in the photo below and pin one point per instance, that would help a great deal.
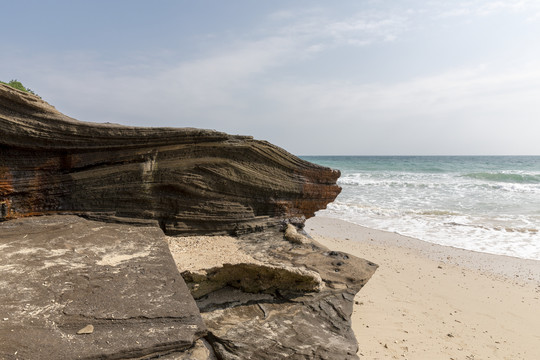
(18, 85)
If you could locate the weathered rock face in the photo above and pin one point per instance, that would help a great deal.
(59, 274)
(76, 288)
(263, 297)
(259, 296)
(189, 180)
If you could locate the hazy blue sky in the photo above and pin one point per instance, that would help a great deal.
(315, 77)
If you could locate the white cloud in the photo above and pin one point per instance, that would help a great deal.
(364, 30)
(476, 110)
(214, 86)
(240, 89)
(431, 95)
(94, 90)
(487, 7)
(214, 79)
(360, 29)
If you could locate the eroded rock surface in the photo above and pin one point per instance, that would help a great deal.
(283, 318)
(59, 274)
(73, 288)
(211, 263)
(192, 181)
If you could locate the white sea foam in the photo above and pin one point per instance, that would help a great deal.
(509, 236)
(483, 204)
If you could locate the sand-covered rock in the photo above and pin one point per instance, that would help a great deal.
(292, 235)
(210, 263)
(262, 297)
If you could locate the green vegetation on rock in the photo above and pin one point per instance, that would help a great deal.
(19, 86)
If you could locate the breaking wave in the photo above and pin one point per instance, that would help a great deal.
(489, 204)
(506, 177)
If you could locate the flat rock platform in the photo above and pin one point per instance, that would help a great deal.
(60, 274)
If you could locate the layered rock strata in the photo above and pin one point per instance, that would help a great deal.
(189, 180)
(78, 288)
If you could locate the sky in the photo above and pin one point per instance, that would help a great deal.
(364, 77)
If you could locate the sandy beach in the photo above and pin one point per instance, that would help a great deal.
(428, 301)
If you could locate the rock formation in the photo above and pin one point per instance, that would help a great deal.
(107, 287)
(296, 302)
(59, 274)
(189, 180)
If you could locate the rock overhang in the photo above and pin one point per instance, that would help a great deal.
(191, 181)
(186, 181)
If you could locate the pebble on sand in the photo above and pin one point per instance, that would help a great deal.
(88, 329)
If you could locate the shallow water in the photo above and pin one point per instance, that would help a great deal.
(483, 203)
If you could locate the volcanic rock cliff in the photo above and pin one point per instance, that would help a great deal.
(109, 283)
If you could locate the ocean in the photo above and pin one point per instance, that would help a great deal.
(482, 203)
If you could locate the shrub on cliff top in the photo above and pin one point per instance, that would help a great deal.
(19, 86)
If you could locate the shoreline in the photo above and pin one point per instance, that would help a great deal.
(429, 301)
(527, 270)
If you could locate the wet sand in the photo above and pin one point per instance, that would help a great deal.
(429, 301)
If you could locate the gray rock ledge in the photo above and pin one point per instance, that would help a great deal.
(61, 273)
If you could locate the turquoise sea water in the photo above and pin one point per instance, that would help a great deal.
(483, 203)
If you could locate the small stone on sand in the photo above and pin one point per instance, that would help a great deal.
(88, 329)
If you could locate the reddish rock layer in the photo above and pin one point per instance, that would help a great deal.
(189, 180)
